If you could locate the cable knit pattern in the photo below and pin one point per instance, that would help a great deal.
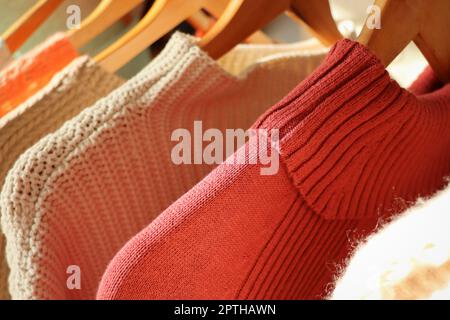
(354, 147)
(409, 258)
(76, 87)
(79, 194)
(26, 75)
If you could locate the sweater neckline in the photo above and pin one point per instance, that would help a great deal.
(250, 56)
(426, 84)
(344, 117)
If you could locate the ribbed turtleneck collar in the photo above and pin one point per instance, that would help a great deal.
(354, 141)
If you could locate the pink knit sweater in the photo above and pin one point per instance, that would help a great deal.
(79, 194)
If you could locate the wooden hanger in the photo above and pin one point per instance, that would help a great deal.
(162, 18)
(104, 15)
(201, 21)
(16, 35)
(425, 22)
(243, 17)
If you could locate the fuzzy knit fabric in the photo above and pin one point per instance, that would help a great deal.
(351, 143)
(79, 194)
(75, 88)
(5, 54)
(25, 76)
(408, 258)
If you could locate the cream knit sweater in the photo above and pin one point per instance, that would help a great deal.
(408, 258)
(76, 87)
(79, 194)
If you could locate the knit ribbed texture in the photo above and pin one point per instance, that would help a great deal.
(28, 74)
(408, 258)
(79, 194)
(352, 144)
(76, 87)
(5, 54)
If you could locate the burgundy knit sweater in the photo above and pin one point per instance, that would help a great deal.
(355, 148)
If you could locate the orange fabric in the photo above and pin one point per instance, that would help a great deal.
(25, 76)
